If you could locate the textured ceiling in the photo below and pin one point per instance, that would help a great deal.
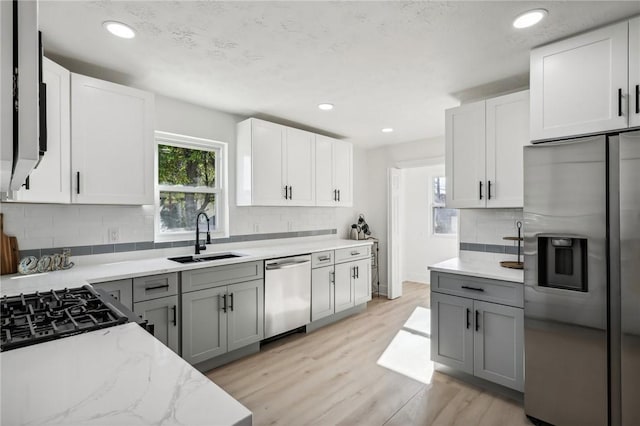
(383, 64)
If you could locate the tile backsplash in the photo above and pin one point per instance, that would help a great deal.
(45, 226)
(484, 229)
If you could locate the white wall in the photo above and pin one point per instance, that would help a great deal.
(45, 226)
(420, 247)
(424, 152)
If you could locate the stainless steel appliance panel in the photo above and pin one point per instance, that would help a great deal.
(287, 294)
(566, 330)
(630, 275)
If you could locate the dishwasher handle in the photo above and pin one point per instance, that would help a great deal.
(273, 266)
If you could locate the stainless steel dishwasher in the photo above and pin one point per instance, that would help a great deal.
(287, 294)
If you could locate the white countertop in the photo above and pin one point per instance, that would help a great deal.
(484, 265)
(80, 275)
(121, 375)
(115, 376)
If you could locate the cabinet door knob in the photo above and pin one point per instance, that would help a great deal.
(480, 190)
(77, 182)
(637, 98)
(477, 320)
(231, 302)
(224, 303)
(489, 189)
(468, 318)
(175, 315)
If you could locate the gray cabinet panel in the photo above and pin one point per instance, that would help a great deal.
(362, 281)
(204, 325)
(322, 292)
(353, 253)
(503, 292)
(245, 315)
(498, 344)
(120, 290)
(344, 295)
(155, 286)
(199, 279)
(451, 331)
(163, 314)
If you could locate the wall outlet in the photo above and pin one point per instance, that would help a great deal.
(114, 235)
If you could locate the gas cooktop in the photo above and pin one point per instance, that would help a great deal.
(28, 319)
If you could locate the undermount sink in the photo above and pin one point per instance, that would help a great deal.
(211, 257)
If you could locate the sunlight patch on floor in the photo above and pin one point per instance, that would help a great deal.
(419, 321)
(409, 352)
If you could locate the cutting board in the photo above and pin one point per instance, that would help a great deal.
(9, 255)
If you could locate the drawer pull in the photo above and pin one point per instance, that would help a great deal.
(157, 287)
(355, 253)
(473, 288)
(324, 258)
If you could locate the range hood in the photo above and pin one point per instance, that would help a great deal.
(21, 54)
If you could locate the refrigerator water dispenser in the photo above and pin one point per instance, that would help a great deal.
(562, 262)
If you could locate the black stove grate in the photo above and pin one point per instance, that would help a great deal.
(42, 316)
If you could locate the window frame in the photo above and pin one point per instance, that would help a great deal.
(220, 189)
(433, 205)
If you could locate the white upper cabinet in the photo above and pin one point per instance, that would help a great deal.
(580, 85)
(300, 170)
(507, 133)
(634, 72)
(112, 143)
(465, 155)
(334, 172)
(483, 152)
(50, 182)
(276, 165)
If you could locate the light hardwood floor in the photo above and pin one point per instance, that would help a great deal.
(331, 376)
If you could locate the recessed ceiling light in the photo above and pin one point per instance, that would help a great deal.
(530, 18)
(387, 130)
(119, 29)
(325, 107)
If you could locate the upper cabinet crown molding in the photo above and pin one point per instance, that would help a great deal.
(483, 152)
(586, 84)
(282, 166)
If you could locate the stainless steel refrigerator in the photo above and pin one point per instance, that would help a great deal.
(582, 280)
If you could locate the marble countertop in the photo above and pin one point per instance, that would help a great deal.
(80, 275)
(115, 376)
(478, 264)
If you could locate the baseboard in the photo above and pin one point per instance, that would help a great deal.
(481, 383)
(322, 322)
(210, 364)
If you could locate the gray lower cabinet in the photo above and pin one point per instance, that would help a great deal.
(204, 324)
(322, 292)
(221, 319)
(163, 314)
(451, 331)
(476, 336)
(498, 344)
(119, 290)
(245, 315)
(352, 284)
(362, 281)
(344, 297)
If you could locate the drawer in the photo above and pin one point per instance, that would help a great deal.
(155, 286)
(496, 291)
(353, 253)
(120, 290)
(199, 279)
(323, 258)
